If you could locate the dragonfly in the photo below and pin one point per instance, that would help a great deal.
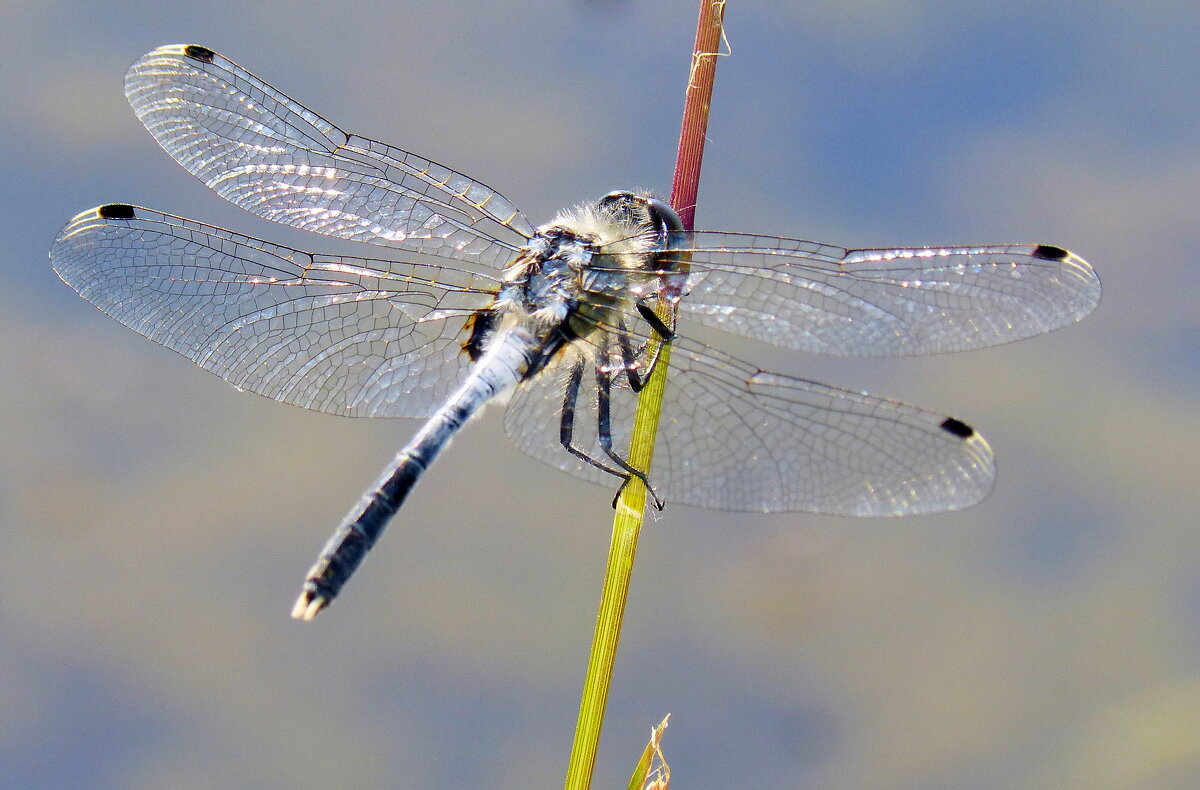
(472, 302)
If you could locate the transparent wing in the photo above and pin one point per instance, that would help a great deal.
(893, 302)
(276, 158)
(734, 437)
(354, 336)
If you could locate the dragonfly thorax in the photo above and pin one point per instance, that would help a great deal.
(543, 282)
(612, 240)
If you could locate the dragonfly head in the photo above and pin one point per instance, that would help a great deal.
(668, 245)
(646, 211)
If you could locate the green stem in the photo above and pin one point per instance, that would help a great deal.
(631, 504)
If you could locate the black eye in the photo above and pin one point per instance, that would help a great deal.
(663, 216)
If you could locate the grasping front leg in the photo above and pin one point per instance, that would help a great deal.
(657, 324)
(604, 434)
(629, 356)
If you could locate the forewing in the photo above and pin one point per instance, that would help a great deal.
(733, 437)
(354, 336)
(274, 157)
(885, 302)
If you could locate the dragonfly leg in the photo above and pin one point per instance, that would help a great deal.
(629, 356)
(566, 428)
(657, 324)
(604, 432)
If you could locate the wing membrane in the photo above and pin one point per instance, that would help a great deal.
(274, 157)
(355, 336)
(734, 437)
(884, 302)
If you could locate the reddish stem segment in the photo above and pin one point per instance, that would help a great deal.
(696, 106)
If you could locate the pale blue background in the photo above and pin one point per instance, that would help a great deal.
(156, 524)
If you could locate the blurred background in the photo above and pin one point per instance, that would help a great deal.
(156, 524)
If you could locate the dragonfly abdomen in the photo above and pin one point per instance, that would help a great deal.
(505, 363)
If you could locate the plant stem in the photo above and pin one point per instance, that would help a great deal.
(631, 504)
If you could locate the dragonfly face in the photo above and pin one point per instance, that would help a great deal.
(464, 297)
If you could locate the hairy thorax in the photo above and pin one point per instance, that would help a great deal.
(592, 262)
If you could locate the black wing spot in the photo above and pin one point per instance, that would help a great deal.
(1048, 253)
(958, 428)
(196, 52)
(116, 211)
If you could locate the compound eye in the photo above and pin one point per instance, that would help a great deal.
(619, 200)
(663, 215)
